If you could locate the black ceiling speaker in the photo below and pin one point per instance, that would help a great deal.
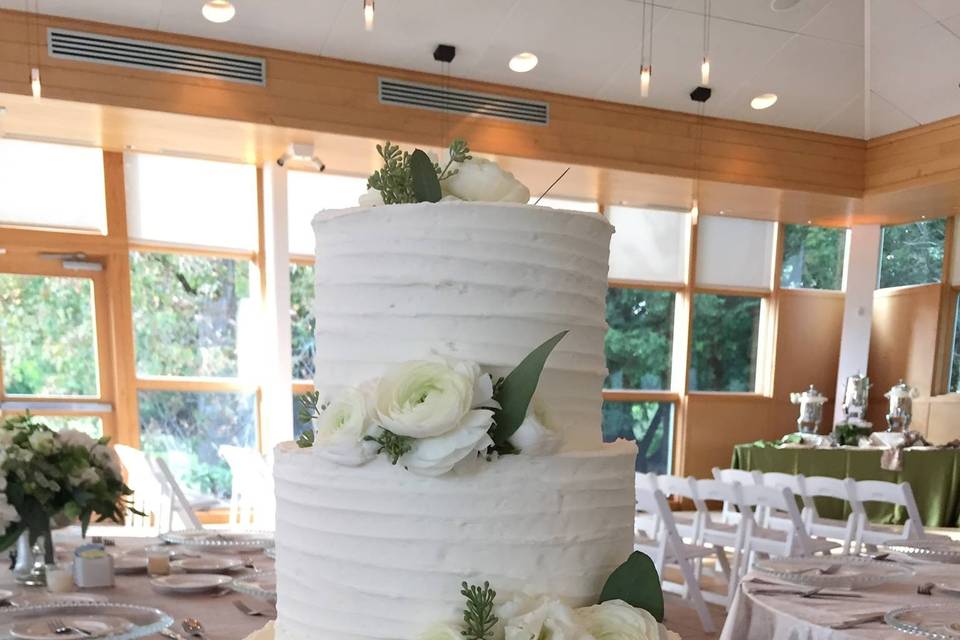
(444, 53)
(701, 94)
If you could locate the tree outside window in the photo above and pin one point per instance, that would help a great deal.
(649, 424)
(812, 257)
(639, 340)
(912, 253)
(724, 343)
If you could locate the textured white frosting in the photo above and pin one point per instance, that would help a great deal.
(379, 552)
(476, 281)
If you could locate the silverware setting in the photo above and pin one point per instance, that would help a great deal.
(823, 571)
(816, 592)
(59, 627)
(173, 635)
(925, 589)
(859, 620)
(246, 609)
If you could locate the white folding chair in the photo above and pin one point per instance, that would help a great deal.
(688, 522)
(147, 492)
(667, 547)
(719, 534)
(778, 480)
(758, 502)
(176, 508)
(871, 534)
(729, 513)
(836, 529)
(252, 502)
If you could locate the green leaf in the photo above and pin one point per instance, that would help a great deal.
(516, 390)
(637, 583)
(305, 441)
(426, 185)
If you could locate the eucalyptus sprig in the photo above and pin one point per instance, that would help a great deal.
(309, 406)
(412, 177)
(478, 618)
(391, 444)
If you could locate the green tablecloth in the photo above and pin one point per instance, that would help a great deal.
(934, 476)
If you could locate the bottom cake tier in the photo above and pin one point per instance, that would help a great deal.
(379, 552)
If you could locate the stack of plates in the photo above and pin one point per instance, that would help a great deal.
(852, 572)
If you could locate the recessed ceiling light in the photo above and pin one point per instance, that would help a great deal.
(783, 5)
(523, 62)
(218, 11)
(764, 101)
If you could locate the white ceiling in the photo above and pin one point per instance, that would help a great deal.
(812, 55)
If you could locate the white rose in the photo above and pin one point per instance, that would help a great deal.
(617, 620)
(540, 618)
(267, 632)
(424, 398)
(340, 430)
(43, 442)
(483, 180)
(371, 198)
(441, 631)
(536, 436)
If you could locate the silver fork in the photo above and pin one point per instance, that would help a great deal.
(59, 627)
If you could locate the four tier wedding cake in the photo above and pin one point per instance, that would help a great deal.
(435, 476)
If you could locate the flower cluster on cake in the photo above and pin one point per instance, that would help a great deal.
(453, 484)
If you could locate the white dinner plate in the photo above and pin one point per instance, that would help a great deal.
(208, 564)
(851, 572)
(191, 582)
(123, 565)
(32, 599)
(94, 626)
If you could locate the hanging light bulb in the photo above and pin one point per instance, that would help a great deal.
(645, 81)
(35, 82)
(705, 71)
(368, 15)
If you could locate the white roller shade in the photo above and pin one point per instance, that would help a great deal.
(735, 252)
(52, 185)
(309, 193)
(649, 245)
(191, 202)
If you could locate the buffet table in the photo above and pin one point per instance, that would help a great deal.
(934, 475)
(791, 617)
(220, 617)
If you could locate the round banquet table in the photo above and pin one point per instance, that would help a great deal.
(221, 619)
(790, 617)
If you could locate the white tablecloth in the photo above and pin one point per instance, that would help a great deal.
(790, 617)
(219, 616)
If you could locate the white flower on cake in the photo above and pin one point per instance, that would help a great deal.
(371, 198)
(341, 429)
(441, 631)
(617, 620)
(536, 436)
(527, 618)
(478, 179)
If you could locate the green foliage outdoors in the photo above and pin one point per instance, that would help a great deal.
(812, 257)
(302, 322)
(639, 340)
(912, 253)
(47, 334)
(646, 423)
(723, 355)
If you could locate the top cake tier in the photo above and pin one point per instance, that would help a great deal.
(475, 281)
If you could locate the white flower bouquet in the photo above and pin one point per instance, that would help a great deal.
(431, 415)
(46, 474)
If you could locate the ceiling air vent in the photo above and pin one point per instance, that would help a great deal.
(424, 96)
(155, 56)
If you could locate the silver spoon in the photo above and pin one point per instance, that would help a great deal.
(193, 627)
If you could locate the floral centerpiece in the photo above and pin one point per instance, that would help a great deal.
(48, 474)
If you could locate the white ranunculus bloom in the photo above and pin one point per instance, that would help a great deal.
(441, 631)
(437, 455)
(370, 198)
(617, 620)
(532, 619)
(536, 435)
(340, 430)
(427, 398)
(482, 180)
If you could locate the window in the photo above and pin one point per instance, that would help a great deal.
(190, 315)
(649, 245)
(30, 168)
(812, 257)
(566, 203)
(649, 424)
(639, 340)
(309, 193)
(187, 428)
(954, 383)
(47, 335)
(90, 425)
(735, 253)
(301, 321)
(724, 343)
(911, 253)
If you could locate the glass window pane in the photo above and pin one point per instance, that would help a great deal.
(724, 343)
(639, 340)
(309, 193)
(567, 203)
(47, 336)
(911, 253)
(954, 384)
(192, 314)
(812, 257)
(301, 320)
(648, 245)
(734, 252)
(186, 201)
(90, 425)
(187, 428)
(30, 168)
(649, 424)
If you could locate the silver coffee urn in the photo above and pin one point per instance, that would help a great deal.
(855, 398)
(900, 413)
(811, 409)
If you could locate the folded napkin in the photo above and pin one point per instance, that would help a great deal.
(893, 445)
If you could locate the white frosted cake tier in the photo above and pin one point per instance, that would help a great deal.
(378, 552)
(477, 281)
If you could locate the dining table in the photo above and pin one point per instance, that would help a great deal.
(220, 616)
(757, 613)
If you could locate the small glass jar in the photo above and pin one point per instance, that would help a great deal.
(158, 562)
(59, 578)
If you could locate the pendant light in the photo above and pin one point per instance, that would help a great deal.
(368, 15)
(705, 62)
(646, 48)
